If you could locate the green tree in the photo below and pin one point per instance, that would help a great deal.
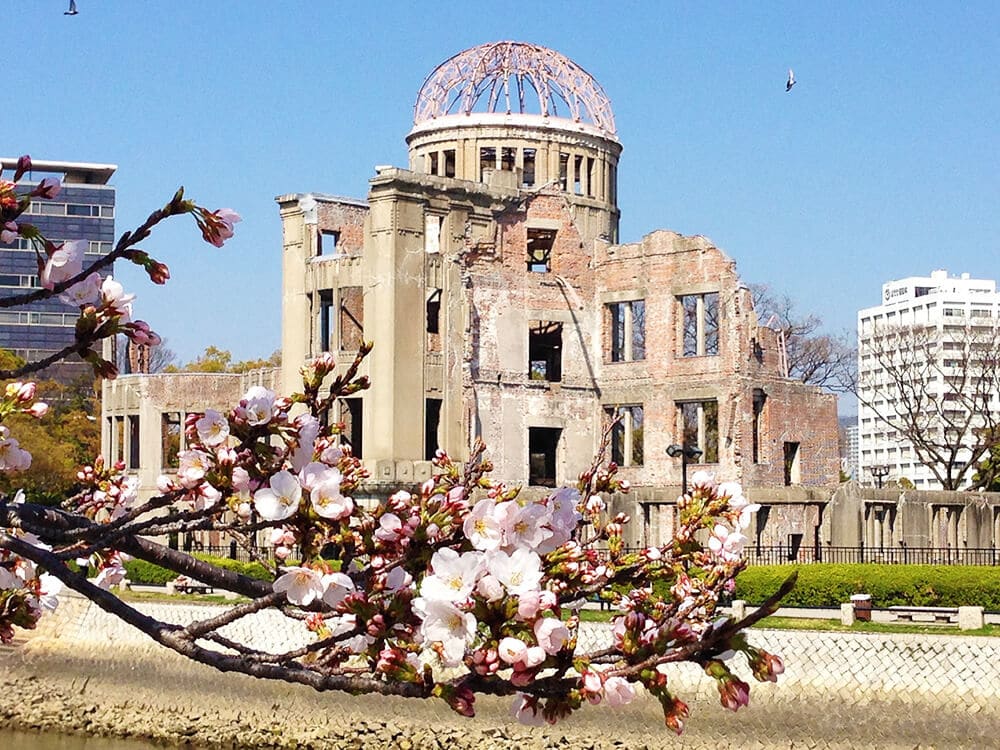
(214, 359)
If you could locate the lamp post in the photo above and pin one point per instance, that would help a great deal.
(879, 472)
(685, 452)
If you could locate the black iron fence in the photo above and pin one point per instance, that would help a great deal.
(899, 555)
(233, 551)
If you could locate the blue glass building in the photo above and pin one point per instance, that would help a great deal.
(83, 210)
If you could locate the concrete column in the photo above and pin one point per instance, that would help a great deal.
(700, 325)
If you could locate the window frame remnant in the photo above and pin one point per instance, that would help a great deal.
(543, 455)
(627, 330)
(759, 403)
(792, 453)
(627, 434)
(698, 425)
(528, 156)
(328, 243)
(325, 320)
(133, 441)
(432, 426)
(171, 436)
(352, 419)
(487, 161)
(545, 351)
(700, 321)
(539, 249)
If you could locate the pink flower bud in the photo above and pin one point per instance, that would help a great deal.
(38, 409)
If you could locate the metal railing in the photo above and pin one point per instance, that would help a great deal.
(898, 555)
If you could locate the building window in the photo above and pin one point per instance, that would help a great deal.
(578, 175)
(449, 163)
(325, 320)
(432, 233)
(433, 314)
(563, 172)
(133, 441)
(119, 439)
(759, 399)
(545, 351)
(432, 421)
(432, 162)
(701, 324)
(170, 439)
(626, 435)
(542, 445)
(487, 161)
(351, 424)
(352, 318)
(627, 323)
(508, 158)
(793, 468)
(699, 421)
(540, 242)
(329, 242)
(528, 171)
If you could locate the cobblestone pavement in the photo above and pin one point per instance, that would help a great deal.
(86, 671)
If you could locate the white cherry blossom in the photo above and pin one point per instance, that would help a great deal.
(213, 428)
(301, 586)
(280, 499)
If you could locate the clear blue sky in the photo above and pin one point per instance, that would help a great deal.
(883, 162)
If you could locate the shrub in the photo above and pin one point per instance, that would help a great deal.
(148, 574)
(830, 585)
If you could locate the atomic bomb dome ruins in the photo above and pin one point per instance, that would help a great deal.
(490, 277)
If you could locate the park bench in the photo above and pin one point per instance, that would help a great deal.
(936, 615)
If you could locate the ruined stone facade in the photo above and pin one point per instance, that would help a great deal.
(489, 276)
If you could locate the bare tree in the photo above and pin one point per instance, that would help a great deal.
(935, 389)
(813, 357)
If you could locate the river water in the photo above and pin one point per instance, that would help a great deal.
(11, 740)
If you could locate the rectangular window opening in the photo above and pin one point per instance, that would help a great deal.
(170, 439)
(545, 351)
(700, 428)
(432, 421)
(591, 176)
(352, 318)
(325, 320)
(433, 315)
(759, 399)
(528, 173)
(793, 468)
(329, 241)
(432, 162)
(449, 163)
(563, 171)
(432, 233)
(626, 435)
(119, 439)
(700, 320)
(543, 442)
(487, 161)
(351, 424)
(627, 331)
(133, 441)
(578, 175)
(540, 242)
(508, 158)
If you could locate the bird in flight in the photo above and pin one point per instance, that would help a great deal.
(72, 9)
(791, 80)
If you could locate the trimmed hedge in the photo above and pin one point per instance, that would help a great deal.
(148, 574)
(830, 585)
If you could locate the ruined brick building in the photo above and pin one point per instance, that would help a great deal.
(490, 278)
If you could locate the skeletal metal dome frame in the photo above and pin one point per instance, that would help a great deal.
(499, 76)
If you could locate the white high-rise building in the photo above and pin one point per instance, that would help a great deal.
(925, 356)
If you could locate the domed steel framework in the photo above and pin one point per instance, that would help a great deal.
(500, 77)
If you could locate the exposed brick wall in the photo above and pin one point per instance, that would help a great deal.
(346, 218)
